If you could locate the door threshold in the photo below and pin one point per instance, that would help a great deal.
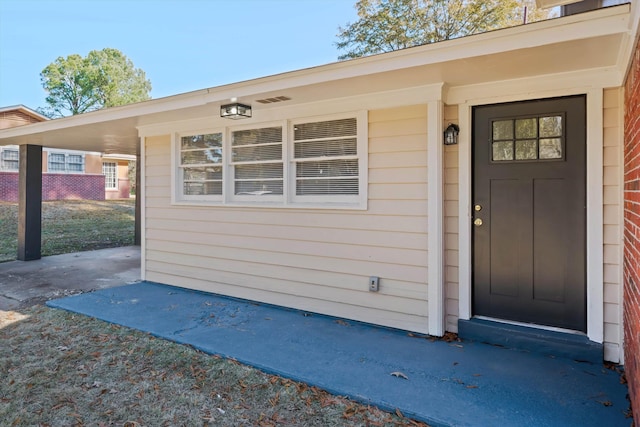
(532, 325)
(553, 342)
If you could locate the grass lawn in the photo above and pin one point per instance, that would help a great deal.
(72, 226)
(64, 369)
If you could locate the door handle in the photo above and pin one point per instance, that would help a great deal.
(477, 222)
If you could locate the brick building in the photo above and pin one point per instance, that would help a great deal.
(67, 174)
(631, 264)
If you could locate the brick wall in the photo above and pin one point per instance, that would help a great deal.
(56, 186)
(631, 268)
(9, 186)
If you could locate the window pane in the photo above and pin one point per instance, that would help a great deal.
(503, 129)
(328, 168)
(326, 148)
(551, 148)
(258, 188)
(213, 140)
(257, 153)
(199, 157)
(256, 136)
(109, 172)
(259, 171)
(10, 159)
(202, 173)
(202, 188)
(550, 126)
(328, 129)
(526, 129)
(502, 150)
(56, 162)
(527, 150)
(327, 186)
(10, 155)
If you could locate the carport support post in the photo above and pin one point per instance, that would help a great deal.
(136, 234)
(30, 203)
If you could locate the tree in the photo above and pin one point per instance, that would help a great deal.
(104, 78)
(386, 25)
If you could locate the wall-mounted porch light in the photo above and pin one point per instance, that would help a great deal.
(451, 134)
(235, 111)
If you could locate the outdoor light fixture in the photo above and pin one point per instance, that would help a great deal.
(235, 111)
(451, 134)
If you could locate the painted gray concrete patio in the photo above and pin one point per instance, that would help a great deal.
(441, 383)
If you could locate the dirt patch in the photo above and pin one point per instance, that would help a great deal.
(63, 369)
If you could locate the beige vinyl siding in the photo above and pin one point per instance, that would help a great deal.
(612, 200)
(314, 260)
(451, 197)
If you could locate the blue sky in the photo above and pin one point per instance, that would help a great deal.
(182, 45)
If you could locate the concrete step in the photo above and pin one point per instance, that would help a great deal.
(551, 343)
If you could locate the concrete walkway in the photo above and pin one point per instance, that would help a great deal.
(24, 283)
(441, 383)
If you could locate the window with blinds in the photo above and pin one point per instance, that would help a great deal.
(256, 157)
(201, 164)
(325, 155)
(313, 163)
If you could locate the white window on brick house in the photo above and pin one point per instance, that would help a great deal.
(109, 170)
(313, 162)
(10, 159)
(65, 163)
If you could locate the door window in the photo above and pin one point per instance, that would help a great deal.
(527, 139)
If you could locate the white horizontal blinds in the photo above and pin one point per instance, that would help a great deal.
(326, 157)
(256, 157)
(201, 164)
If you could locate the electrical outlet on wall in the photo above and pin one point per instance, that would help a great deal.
(374, 283)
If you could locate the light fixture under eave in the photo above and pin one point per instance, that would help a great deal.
(235, 111)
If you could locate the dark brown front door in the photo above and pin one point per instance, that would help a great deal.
(529, 215)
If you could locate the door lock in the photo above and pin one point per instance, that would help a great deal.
(477, 222)
(477, 208)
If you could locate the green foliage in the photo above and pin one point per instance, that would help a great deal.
(387, 25)
(104, 78)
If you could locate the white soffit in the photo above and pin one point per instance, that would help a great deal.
(598, 40)
(548, 4)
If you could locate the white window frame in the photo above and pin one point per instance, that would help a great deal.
(66, 162)
(361, 156)
(110, 175)
(3, 161)
(288, 199)
(178, 167)
(230, 182)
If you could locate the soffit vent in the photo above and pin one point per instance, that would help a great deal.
(274, 99)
